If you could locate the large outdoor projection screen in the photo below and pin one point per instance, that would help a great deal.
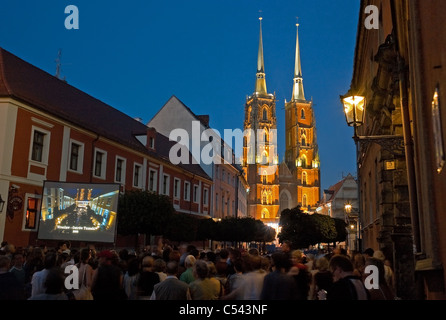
(78, 211)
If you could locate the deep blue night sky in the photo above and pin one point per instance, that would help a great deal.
(134, 55)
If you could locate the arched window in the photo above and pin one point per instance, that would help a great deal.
(302, 113)
(265, 214)
(264, 197)
(304, 178)
(304, 141)
(304, 201)
(270, 197)
(304, 161)
(265, 114)
(264, 179)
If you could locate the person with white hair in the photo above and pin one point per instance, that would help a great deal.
(188, 275)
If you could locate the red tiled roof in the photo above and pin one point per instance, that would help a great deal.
(33, 86)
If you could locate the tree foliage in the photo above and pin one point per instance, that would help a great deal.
(303, 229)
(144, 212)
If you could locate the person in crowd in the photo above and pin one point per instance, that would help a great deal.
(368, 253)
(39, 277)
(85, 270)
(17, 267)
(383, 290)
(10, 287)
(251, 285)
(131, 278)
(221, 263)
(322, 278)
(147, 278)
(189, 249)
(346, 286)
(188, 275)
(172, 288)
(34, 262)
(388, 272)
(108, 278)
(64, 247)
(54, 286)
(234, 279)
(159, 266)
(234, 254)
(299, 271)
(62, 260)
(204, 287)
(278, 284)
(358, 264)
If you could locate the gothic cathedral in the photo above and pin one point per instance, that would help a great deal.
(274, 187)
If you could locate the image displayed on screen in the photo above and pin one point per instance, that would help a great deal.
(79, 211)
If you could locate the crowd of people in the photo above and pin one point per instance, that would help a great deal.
(170, 273)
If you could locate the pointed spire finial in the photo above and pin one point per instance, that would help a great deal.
(260, 76)
(298, 87)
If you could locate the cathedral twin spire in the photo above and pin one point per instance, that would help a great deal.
(298, 88)
(260, 76)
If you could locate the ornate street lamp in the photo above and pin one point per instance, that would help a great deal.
(354, 109)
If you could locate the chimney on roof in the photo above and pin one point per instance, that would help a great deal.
(204, 118)
(151, 136)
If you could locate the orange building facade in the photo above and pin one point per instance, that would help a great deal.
(270, 193)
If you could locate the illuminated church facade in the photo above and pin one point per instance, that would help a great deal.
(295, 181)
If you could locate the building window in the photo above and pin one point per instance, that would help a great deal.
(205, 196)
(176, 188)
(39, 146)
(100, 164)
(304, 161)
(31, 212)
(196, 195)
(37, 152)
(302, 113)
(166, 180)
(265, 114)
(152, 143)
(304, 201)
(270, 197)
(264, 198)
(137, 175)
(76, 156)
(120, 170)
(304, 178)
(152, 180)
(186, 191)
